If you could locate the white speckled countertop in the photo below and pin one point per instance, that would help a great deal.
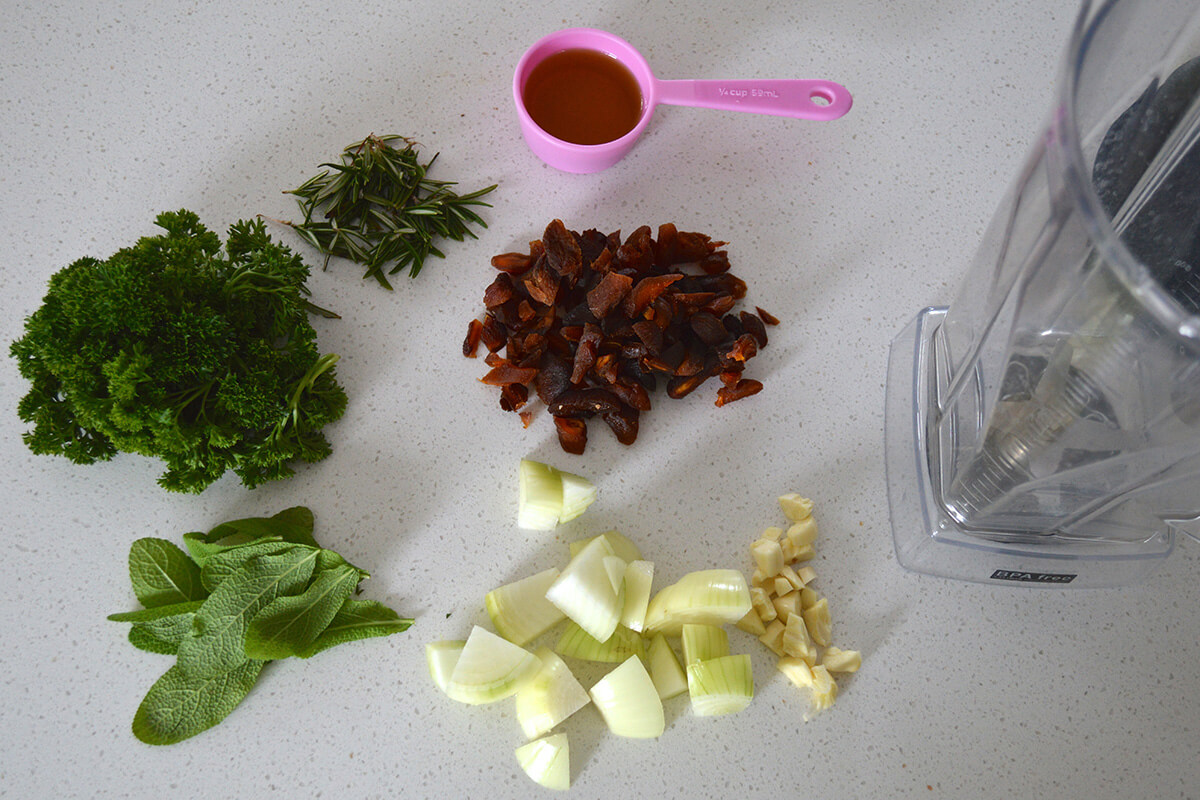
(115, 111)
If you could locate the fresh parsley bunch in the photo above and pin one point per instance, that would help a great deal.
(247, 592)
(175, 349)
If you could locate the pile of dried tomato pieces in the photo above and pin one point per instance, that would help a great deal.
(593, 324)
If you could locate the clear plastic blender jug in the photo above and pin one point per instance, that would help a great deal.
(1044, 429)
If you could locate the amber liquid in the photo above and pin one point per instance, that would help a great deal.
(583, 96)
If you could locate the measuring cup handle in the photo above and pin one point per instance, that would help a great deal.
(799, 99)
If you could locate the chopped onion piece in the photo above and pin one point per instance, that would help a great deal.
(703, 642)
(520, 610)
(621, 545)
(629, 702)
(710, 597)
(584, 591)
(615, 567)
(441, 658)
(665, 670)
(490, 668)
(550, 697)
(720, 685)
(547, 761)
(578, 643)
(639, 576)
(540, 496)
(656, 612)
(577, 494)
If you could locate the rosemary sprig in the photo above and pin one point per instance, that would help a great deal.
(379, 208)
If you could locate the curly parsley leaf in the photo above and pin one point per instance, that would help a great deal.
(176, 349)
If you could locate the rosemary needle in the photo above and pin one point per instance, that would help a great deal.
(379, 208)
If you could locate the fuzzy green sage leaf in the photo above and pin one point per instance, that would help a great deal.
(148, 615)
(160, 639)
(159, 629)
(219, 628)
(357, 619)
(162, 635)
(162, 574)
(179, 705)
(274, 593)
(290, 525)
(223, 565)
(291, 623)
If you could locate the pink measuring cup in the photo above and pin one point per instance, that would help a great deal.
(799, 99)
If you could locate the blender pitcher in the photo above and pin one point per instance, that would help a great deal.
(1044, 429)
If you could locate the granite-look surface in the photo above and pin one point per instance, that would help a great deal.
(114, 112)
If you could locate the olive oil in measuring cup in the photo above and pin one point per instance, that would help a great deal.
(583, 96)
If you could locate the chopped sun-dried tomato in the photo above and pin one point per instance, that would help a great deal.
(572, 434)
(513, 396)
(515, 263)
(585, 353)
(506, 373)
(608, 293)
(499, 291)
(471, 343)
(645, 292)
(542, 283)
(744, 348)
(767, 317)
(743, 388)
(624, 424)
(754, 326)
(493, 334)
(589, 320)
(563, 254)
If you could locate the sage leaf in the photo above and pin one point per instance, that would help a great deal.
(290, 525)
(290, 623)
(328, 559)
(156, 613)
(295, 524)
(260, 589)
(220, 566)
(150, 642)
(201, 549)
(163, 635)
(179, 705)
(357, 619)
(162, 574)
(159, 629)
(215, 644)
